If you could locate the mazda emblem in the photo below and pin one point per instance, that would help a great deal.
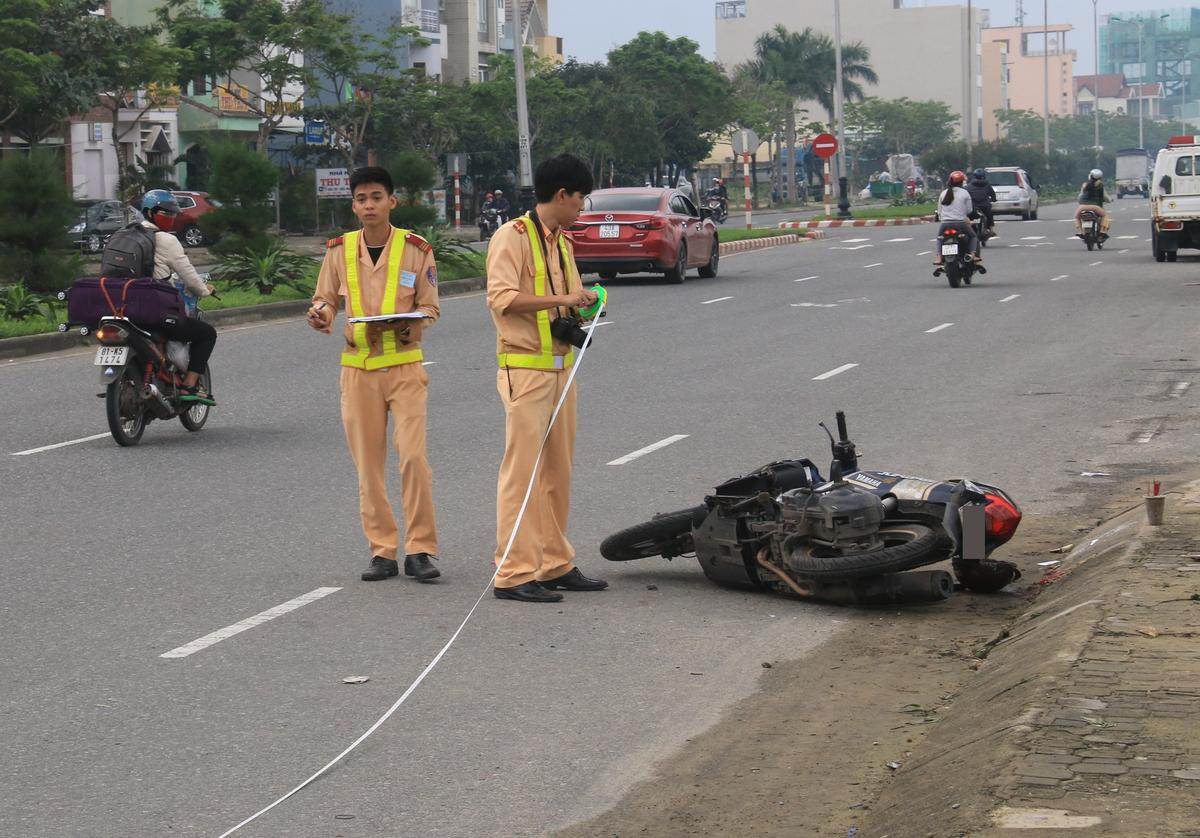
(608, 217)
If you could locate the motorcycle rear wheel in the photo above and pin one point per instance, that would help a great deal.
(670, 532)
(905, 546)
(952, 273)
(124, 408)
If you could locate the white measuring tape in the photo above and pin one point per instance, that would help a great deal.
(503, 558)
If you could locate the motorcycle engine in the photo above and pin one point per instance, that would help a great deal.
(840, 516)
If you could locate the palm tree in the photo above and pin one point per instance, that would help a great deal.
(804, 64)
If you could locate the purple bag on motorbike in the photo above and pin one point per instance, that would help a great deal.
(147, 302)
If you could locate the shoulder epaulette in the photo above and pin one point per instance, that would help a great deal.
(333, 242)
(417, 241)
(521, 228)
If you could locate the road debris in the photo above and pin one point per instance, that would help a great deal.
(356, 679)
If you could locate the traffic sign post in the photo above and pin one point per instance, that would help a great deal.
(744, 142)
(825, 146)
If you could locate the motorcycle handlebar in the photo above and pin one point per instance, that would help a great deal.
(843, 434)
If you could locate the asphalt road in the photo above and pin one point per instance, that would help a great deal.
(1057, 362)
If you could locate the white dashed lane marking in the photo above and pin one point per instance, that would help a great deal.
(1094, 264)
(717, 300)
(1010, 298)
(901, 239)
(248, 623)
(873, 265)
(58, 445)
(641, 452)
(938, 328)
(1057, 278)
(806, 278)
(837, 371)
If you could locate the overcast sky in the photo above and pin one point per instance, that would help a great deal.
(590, 29)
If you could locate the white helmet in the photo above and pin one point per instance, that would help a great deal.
(1096, 174)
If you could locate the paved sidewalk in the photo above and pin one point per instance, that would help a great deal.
(1086, 715)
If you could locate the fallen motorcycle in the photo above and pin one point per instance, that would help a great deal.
(854, 538)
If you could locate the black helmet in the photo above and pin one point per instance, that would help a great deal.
(979, 174)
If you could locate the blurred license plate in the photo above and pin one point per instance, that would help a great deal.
(109, 356)
(950, 250)
(610, 231)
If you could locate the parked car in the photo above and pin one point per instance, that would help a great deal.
(644, 230)
(1016, 193)
(192, 205)
(97, 221)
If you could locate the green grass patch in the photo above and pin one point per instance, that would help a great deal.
(472, 264)
(911, 211)
(724, 235)
(28, 326)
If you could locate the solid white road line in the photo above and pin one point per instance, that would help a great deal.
(717, 300)
(1010, 298)
(806, 278)
(843, 368)
(1094, 264)
(248, 623)
(1057, 278)
(873, 265)
(938, 328)
(641, 452)
(58, 445)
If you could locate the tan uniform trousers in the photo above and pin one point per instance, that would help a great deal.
(541, 550)
(368, 396)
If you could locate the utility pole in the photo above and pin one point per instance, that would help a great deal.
(1096, 81)
(1046, 81)
(527, 199)
(839, 111)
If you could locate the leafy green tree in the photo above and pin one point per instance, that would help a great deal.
(35, 210)
(261, 39)
(241, 180)
(22, 59)
(414, 174)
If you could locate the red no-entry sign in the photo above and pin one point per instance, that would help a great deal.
(825, 145)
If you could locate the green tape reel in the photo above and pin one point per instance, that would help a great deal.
(601, 300)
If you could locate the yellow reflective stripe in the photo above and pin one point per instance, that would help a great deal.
(395, 255)
(518, 360)
(361, 347)
(394, 359)
(546, 359)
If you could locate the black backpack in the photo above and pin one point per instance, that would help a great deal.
(129, 252)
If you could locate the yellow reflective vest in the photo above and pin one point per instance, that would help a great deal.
(545, 359)
(391, 355)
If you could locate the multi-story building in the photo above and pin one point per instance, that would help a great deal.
(1020, 63)
(946, 42)
(479, 29)
(1111, 94)
(1159, 47)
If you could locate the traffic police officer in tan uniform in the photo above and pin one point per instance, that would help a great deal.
(532, 279)
(381, 270)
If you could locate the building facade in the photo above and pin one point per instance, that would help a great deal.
(947, 42)
(1020, 63)
(478, 29)
(1159, 47)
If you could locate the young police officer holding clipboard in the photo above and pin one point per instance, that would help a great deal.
(381, 272)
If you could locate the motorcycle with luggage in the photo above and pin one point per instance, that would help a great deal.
(142, 372)
(855, 537)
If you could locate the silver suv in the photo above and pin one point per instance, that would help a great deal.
(1016, 194)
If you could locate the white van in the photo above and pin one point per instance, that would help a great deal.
(1175, 198)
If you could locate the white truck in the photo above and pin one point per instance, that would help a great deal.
(1175, 198)
(1133, 172)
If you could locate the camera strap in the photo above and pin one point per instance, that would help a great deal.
(562, 264)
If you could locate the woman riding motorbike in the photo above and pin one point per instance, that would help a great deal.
(955, 205)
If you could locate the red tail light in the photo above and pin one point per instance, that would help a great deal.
(1001, 519)
(109, 333)
(652, 224)
(1170, 225)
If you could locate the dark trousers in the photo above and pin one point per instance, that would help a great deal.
(199, 334)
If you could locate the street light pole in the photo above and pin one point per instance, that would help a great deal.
(1046, 81)
(1096, 80)
(1141, 86)
(526, 165)
(839, 111)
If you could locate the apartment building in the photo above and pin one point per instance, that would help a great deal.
(478, 29)
(1018, 63)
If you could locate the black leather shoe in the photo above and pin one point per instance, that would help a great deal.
(529, 592)
(420, 566)
(380, 568)
(573, 580)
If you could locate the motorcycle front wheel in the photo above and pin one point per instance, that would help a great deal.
(195, 416)
(126, 413)
(905, 546)
(669, 534)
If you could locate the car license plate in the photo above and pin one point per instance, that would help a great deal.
(610, 231)
(111, 356)
(950, 250)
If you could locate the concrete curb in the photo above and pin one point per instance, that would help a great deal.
(768, 241)
(21, 347)
(855, 222)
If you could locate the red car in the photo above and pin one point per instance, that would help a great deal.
(192, 205)
(644, 230)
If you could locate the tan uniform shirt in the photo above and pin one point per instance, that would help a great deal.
(510, 270)
(418, 294)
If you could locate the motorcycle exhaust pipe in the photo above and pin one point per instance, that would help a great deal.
(157, 400)
(889, 588)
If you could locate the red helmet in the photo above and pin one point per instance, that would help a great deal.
(488, 195)
(957, 178)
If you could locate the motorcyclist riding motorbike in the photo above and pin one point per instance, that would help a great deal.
(718, 190)
(982, 196)
(955, 205)
(159, 209)
(502, 206)
(1092, 197)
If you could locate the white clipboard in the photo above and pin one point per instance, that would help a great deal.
(388, 318)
